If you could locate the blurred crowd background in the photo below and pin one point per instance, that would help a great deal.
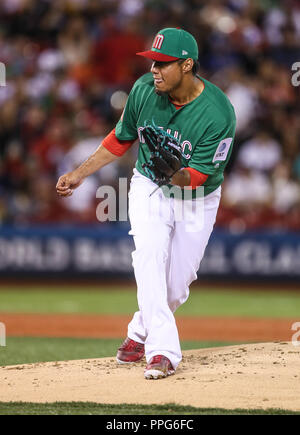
(70, 65)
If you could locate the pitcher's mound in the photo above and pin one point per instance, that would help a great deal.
(264, 375)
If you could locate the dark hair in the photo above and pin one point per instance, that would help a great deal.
(196, 67)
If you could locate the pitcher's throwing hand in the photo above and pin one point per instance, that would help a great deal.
(67, 183)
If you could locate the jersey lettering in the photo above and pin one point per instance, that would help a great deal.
(176, 135)
(141, 137)
(187, 144)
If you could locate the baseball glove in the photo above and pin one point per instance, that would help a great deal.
(165, 155)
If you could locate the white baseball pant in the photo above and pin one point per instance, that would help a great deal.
(169, 246)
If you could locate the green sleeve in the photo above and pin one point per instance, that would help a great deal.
(126, 128)
(213, 151)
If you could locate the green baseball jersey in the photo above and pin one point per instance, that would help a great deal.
(205, 127)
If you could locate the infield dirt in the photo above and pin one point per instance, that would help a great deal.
(239, 329)
(252, 376)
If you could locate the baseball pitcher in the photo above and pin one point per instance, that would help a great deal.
(185, 126)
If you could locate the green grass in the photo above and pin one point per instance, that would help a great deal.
(84, 408)
(67, 300)
(26, 350)
(116, 300)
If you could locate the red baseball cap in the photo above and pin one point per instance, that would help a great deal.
(171, 44)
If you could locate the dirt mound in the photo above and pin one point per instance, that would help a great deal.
(264, 375)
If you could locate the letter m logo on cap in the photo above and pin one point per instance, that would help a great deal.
(158, 41)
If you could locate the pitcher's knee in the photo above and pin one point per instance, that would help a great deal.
(174, 301)
(178, 287)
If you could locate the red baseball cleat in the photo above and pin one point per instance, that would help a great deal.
(159, 367)
(130, 352)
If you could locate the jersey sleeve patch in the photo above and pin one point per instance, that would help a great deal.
(222, 150)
